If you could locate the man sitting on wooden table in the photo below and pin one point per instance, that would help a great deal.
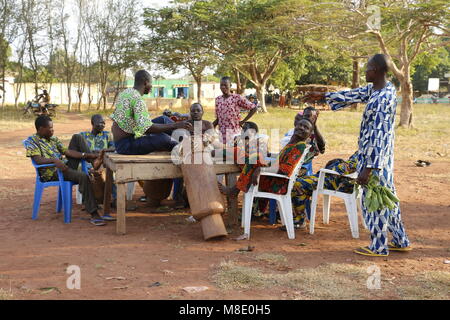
(133, 130)
(134, 133)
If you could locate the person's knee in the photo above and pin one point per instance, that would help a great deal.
(162, 120)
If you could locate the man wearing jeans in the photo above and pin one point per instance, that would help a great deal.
(133, 130)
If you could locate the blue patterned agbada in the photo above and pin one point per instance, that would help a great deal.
(376, 150)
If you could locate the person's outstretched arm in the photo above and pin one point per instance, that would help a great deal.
(341, 99)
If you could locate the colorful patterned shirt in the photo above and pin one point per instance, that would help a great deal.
(228, 113)
(131, 113)
(98, 142)
(51, 148)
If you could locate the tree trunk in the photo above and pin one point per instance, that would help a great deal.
(69, 97)
(355, 80)
(3, 92)
(198, 80)
(261, 93)
(240, 83)
(406, 113)
(17, 90)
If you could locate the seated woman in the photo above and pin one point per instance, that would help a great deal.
(316, 139)
(305, 185)
(287, 160)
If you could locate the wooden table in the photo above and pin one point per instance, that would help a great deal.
(157, 165)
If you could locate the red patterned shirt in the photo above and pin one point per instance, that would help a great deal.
(228, 113)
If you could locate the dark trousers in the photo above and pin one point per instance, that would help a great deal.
(148, 143)
(85, 187)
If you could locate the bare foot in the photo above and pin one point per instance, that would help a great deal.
(230, 192)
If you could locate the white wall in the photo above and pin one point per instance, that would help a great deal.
(58, 92)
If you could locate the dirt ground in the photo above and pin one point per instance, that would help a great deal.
(167, 249)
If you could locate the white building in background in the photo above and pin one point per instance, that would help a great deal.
(57, 91)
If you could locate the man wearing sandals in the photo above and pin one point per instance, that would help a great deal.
(376, 151)
(44, 148)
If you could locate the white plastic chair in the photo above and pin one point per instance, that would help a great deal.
(284, 200)
(352, 202)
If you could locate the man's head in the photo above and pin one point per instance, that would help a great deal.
(45, 91)
(310, 113)
(303, 129)
(250, 125)
(377, 67)
(225, 85)
(143, 79)
(298, 117)
(98, 123)
(44, 126)
(196, 111)
(249, 129)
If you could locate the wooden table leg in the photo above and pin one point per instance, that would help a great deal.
(108, 191)
(232, 203)
(121, 202)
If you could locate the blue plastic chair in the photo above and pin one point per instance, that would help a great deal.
(273, 203)
(64, 199)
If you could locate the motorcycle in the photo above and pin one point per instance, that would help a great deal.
(33, 107)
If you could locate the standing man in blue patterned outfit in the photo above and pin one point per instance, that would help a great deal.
(376, 151)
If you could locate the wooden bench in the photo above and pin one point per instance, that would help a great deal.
(157, 165)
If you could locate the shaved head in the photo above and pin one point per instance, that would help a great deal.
(141, 77)
(380, 61)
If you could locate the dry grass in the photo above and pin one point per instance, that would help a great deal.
(12, 119)
(331, 282)
(6, 294)
(271, 258)
(232, 276)
(433, 285)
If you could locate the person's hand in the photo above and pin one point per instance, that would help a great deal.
(184, 125)
(363, 177)
(316, 117)
(314, 96)
(60, 165)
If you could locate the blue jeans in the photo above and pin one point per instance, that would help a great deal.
(148, 143)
